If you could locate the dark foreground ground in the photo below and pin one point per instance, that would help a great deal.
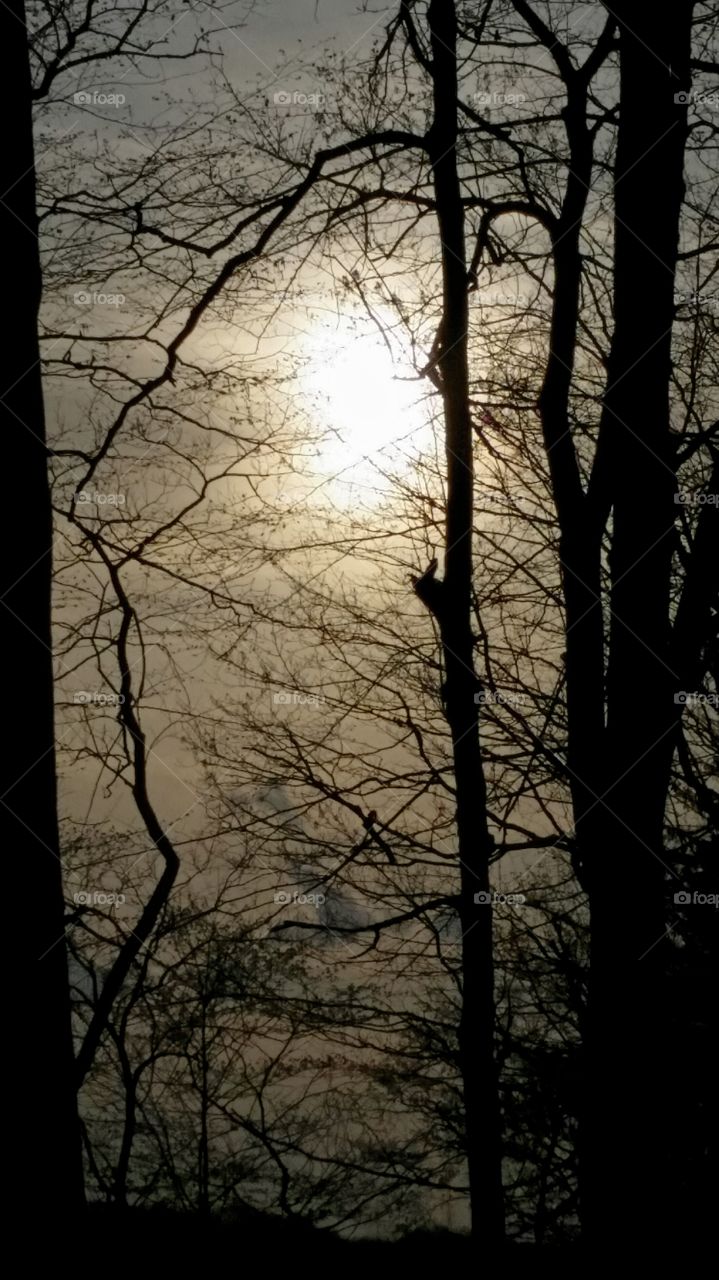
(161, 1240)
(134, 1243)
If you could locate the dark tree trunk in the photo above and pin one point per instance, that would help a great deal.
(451, 602)
(130, 1080)
(203, 1149)
(45, 1159)
(627, 1123)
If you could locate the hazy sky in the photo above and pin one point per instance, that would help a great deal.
(275, 25)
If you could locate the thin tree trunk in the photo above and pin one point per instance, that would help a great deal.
(203, 1150)
(130, 1081)
(45, 1161)
(451, 602)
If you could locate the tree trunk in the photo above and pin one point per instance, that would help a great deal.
(451, 602)
(46, 1162)
(628, 1113)
(203, 1149)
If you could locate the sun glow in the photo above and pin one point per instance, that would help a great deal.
(368, 409)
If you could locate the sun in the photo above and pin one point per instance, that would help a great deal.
(367, 408)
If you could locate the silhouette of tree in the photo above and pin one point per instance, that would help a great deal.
(45, 1134)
